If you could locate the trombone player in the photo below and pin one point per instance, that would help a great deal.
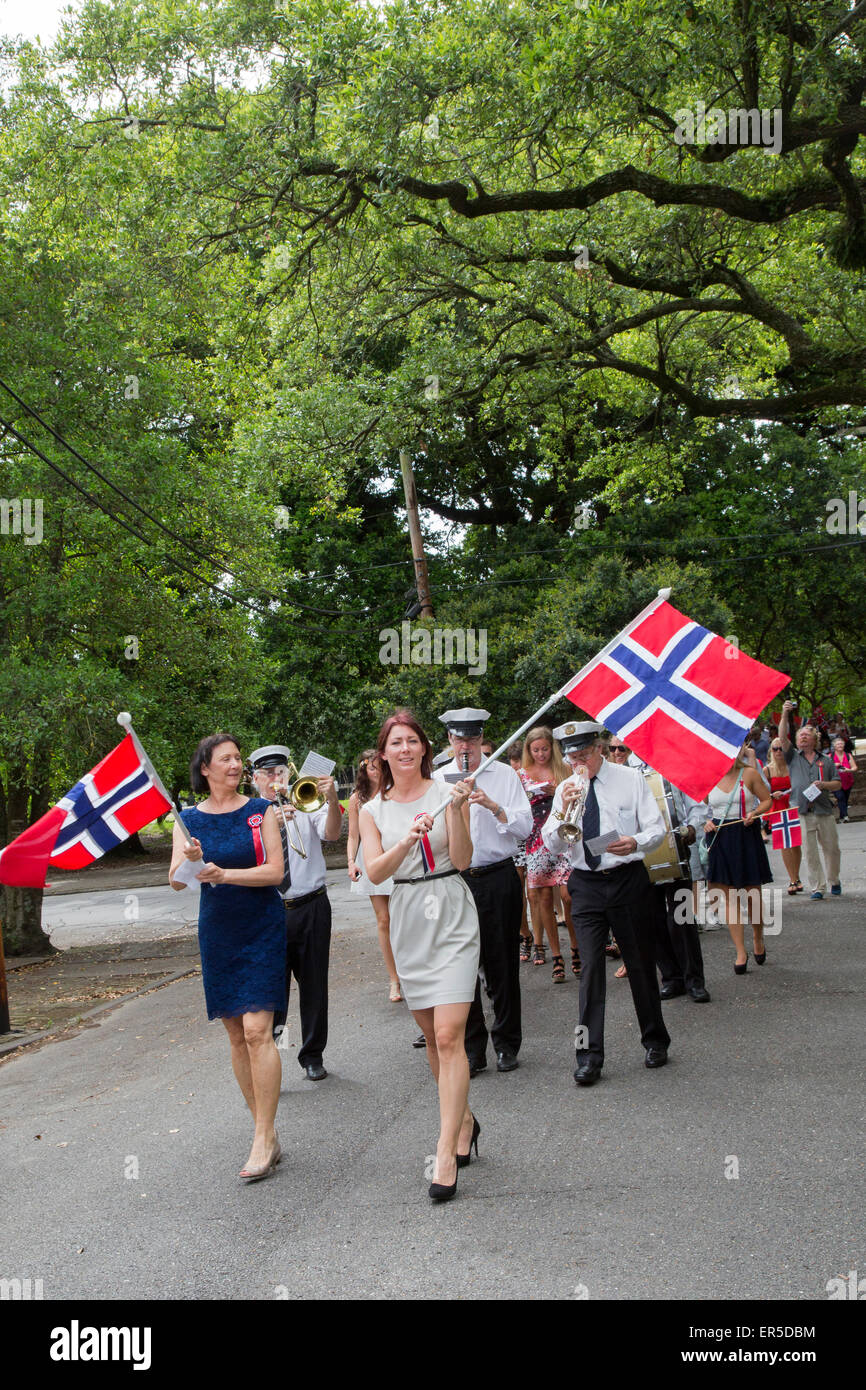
(307, 907)
(609, 887)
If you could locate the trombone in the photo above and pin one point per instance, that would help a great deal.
(292, 794)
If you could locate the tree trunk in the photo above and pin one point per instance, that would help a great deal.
(22, 907)
(22, 923)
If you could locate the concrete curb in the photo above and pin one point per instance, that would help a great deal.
(29, 1039)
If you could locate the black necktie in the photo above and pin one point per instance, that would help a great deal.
(287, 877)
(591, 825)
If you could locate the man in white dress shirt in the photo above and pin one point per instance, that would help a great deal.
(609, 888)
(499, 817)
(308, 908)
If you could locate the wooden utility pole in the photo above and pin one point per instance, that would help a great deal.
(422, 582)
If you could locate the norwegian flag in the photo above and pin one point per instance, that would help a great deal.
(786, 828)
(680, 696)
(108, 805)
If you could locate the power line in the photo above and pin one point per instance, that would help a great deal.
(254, 606)
(183, 540)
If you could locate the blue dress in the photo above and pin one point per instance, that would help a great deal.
(241, 931)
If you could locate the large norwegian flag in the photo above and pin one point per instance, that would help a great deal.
(120, 796)
(680, 696)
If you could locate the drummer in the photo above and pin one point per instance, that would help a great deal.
(678, 945)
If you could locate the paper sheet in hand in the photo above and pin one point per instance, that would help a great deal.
(316, 766)
(811, 792)
(187, 871)
(599, 844)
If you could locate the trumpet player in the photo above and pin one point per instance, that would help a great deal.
(306, 902)
(499, 817)
(609, 887)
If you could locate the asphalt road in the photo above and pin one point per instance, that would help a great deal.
(120, 1146)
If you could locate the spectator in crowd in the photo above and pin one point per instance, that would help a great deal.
(738, 863)
(780, 790)
(515, 758)
(812, 778)
(846, 766)
(543, 768)
(367, 785)
(759, 740)
(843, 732)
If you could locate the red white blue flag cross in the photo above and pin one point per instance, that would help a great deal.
(679, 695)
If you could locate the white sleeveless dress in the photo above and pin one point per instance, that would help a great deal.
(434, 923)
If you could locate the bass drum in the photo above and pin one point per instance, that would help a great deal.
(669, 862)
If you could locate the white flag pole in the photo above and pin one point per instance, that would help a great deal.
(661, 597)
(125, 721)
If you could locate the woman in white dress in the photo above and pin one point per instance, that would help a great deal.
(434, 924)
(366, 786)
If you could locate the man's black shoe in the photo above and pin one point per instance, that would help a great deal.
(672, 991)
(699, 994)
(477, 1064)
(656, 1056)
(315, 1071)
(506, 1060)
(587, 1074)
(420, 1041)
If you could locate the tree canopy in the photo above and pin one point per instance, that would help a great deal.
(600, 269)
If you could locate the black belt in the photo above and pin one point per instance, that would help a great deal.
(425, 878)
(596, 873)
(489, 868)
(306, 898)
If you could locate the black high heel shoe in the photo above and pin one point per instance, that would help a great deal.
(463, 1160)
(442, 1192)
(741, 969)
(759, 959)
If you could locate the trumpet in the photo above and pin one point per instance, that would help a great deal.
(570, 829)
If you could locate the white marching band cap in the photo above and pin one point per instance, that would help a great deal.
(466, 722)
(272, 755)
(573, 736)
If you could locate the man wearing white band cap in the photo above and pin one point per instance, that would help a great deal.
(308, 908)
(609, 889)
(499, 818)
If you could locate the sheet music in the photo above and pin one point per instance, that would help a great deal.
(316, 766)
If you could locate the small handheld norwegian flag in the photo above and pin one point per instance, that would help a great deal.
(786, 828)
(426, 850)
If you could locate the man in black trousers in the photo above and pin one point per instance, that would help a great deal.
(499, 817)
(308, 908)
(609, 889)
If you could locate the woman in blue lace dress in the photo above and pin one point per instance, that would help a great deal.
(241, 928)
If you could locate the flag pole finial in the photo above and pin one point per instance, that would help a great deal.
(124, 718)
(663, 593)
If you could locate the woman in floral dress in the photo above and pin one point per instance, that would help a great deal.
(543, 768)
